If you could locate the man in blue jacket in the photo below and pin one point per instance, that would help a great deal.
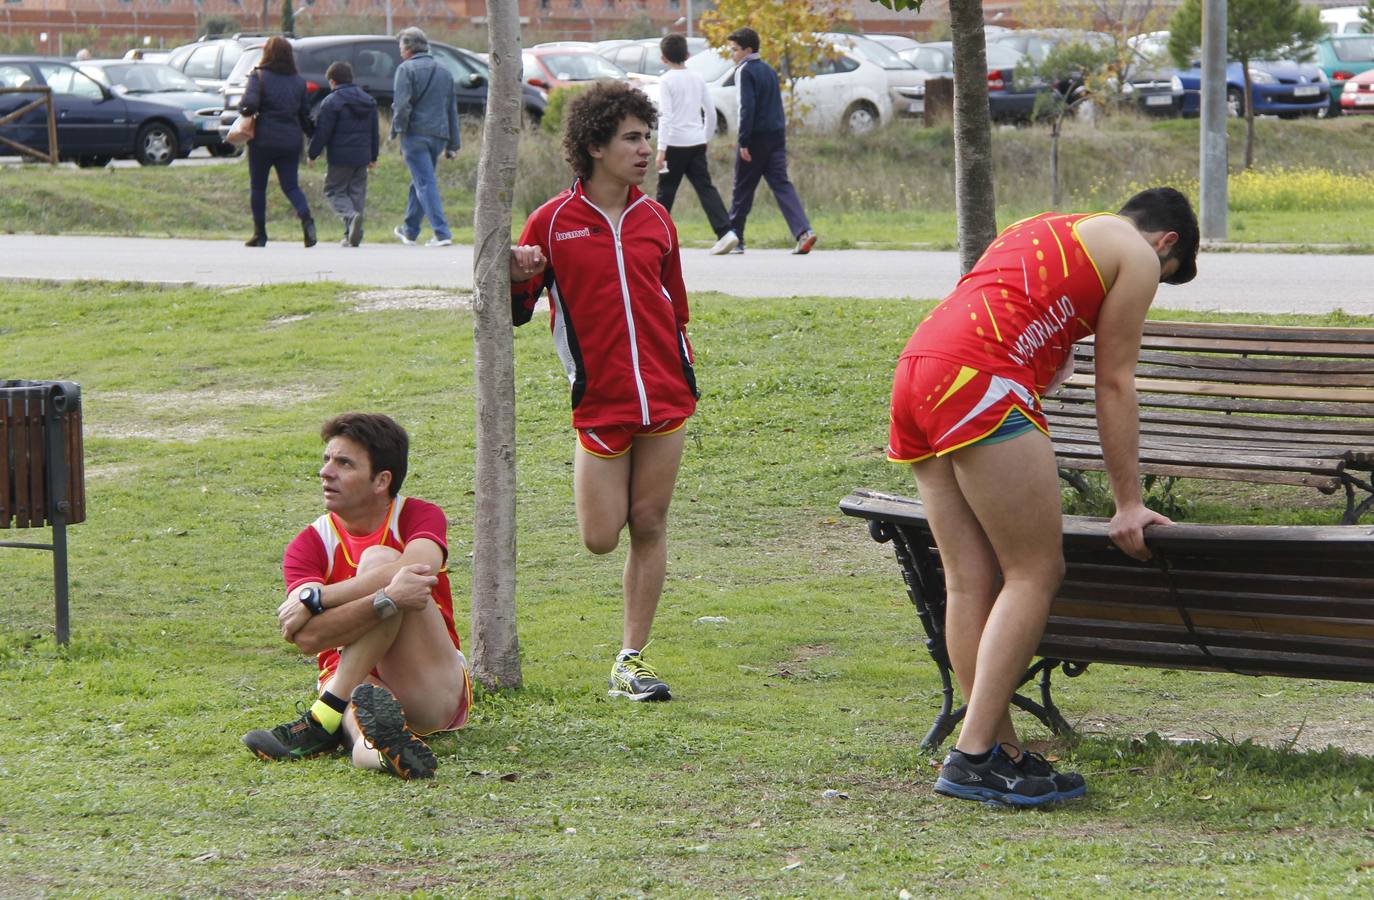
(425, 116)
(346, 131)
(762, 143)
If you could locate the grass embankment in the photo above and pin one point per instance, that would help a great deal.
(892, 188)
(122, 760)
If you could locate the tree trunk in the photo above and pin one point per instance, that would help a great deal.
(973, 193)
(1054, 159)
(1249, 116)
(495, 645)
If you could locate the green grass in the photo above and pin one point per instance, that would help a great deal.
(894, 188)
(121, 758)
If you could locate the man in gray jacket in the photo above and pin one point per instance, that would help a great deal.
(425, 117)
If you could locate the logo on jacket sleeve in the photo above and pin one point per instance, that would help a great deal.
(569, 235)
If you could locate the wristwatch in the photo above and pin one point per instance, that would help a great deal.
(383, 605)
(312, 598)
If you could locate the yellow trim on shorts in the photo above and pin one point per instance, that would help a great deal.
(893, 459)
(1000, 422)
(583, 447)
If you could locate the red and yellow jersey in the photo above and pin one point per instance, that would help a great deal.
(324, 552)
(1018, 312)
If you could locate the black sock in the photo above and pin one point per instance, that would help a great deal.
(977, 758)
(335, 703)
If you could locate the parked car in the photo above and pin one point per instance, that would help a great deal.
(1342, 57)
(163, 84)
(1358, 95)
(1282, 88)
(642, 57)
(210, 60)
(1011, 92)
(846, 94)
(94, 124)
(894, 42)
(548, 67)
(1343, 19)
(374, 59)
(906, 84)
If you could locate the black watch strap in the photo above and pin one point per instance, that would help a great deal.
(312, 598)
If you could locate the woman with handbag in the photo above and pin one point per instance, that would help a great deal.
(276, 96)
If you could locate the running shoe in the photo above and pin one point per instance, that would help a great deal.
(439, 242)
(728, 242)
(383, 725)
(805, 241)
(995, 780)
(1069, 785)
(738, 250)
(634, 679)
(403, 237)
(300, 739)
(355, 230)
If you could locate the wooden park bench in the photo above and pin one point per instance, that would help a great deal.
(42, 480)
(1296, 601)
(1260, 403)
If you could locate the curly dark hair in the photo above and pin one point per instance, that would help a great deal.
(594, 116)
(278, 57)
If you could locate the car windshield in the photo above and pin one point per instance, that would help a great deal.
(709, 64)
(871, 51)
(581, 67)
(148, 78)
(932, 59)
(1002, 57)
(1354, 49)
(250, 58)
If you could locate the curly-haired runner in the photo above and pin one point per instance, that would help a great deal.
(608, 255)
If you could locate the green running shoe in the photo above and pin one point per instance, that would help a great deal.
(634, 679)
(383, 724)
(300, 739)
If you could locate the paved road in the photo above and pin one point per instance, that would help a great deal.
(1230, 282)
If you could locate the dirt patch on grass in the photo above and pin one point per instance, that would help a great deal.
(385, 300)
(185, 416)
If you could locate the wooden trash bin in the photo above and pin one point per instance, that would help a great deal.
(42, 475)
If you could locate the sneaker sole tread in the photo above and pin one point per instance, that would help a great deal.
(382, 722)
(990, 795)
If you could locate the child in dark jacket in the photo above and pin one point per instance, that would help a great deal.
(347, 131)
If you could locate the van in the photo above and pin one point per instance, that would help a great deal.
(1343, 19)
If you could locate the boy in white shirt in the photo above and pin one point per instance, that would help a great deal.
(686, 117)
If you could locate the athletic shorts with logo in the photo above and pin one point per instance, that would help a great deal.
(939, 406)
(612, 441)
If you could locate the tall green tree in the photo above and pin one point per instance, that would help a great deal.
(1367, 16)
(973, 190)
(1255, 30)
(288, 17)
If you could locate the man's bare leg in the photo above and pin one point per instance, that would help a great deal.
(972, 575)
(654, 462)
(1012, 489)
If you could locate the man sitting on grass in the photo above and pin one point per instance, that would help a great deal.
(367, 593)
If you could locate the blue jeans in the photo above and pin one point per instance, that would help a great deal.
(421, 152)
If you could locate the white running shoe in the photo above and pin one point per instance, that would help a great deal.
(439, 242)
(727, 242)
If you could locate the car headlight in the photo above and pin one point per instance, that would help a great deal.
(1258, 76)
(190, 114)
(1176, 84)
(1128, 89)
(1321, 77)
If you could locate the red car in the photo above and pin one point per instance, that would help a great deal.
(1358, 95)
(554, 66)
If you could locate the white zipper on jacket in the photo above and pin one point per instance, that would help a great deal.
(625, 297)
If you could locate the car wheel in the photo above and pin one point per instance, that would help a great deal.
(224, 151)
(860, 118)
(156, 145)
(722, 126)
(1235, 103)
(1329, 111)
(92, 162)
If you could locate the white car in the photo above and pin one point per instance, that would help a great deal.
(848, 94)
(905, 83)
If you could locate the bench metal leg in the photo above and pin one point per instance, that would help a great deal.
(59, 577)
(1353, 511)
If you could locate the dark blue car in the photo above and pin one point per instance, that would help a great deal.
(1281, 88)
(94, 124)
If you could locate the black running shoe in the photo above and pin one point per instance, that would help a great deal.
(634, 679)
(300, 739)
(383, 724)
(1069, 785)
(996, 780)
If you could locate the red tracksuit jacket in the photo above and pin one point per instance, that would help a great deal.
(619, 308)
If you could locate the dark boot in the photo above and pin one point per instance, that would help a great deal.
(259, 238)
(308, 230)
